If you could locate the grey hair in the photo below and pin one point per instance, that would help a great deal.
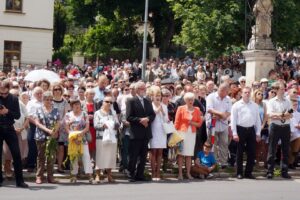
(47, 94)
(37, 89)
(138, 84)
(189, 95)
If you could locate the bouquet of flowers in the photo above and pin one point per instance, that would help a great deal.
(51, 144)
(75, 147)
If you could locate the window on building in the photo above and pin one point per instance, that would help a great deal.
(12, 51)
(14, 5)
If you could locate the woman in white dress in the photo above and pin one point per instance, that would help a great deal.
(106, 148)
(159, 138)
(188, 118)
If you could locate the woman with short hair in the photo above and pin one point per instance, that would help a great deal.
(187, 120)
(47, 121)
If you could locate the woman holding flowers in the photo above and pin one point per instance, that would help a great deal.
(47, 124)
(77, 127)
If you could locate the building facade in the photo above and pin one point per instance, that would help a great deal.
(26, 32)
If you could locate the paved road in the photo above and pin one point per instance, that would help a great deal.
(223, 189)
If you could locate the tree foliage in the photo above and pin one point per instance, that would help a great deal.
(212, 26)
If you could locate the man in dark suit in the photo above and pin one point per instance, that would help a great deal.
(140, 114)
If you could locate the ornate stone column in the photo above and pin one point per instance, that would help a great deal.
(261, 55)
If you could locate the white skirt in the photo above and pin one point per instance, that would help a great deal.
(106, 155)
(189, 141)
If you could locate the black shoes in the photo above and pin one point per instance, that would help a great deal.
(285, 175)
(22, 185)
(269, 176)
(239, 176)
(249, 176)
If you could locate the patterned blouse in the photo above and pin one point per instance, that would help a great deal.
(47, 119)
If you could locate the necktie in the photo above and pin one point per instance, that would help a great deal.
(142, 102)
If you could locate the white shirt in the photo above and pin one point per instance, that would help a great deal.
(32, 107)
(214, 102)
(276, 105)
(19, 123)
(295, 121)
(245, 115)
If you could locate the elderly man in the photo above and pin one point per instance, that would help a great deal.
(245, 126)
(32, 107)
(140, 114)
(218, 106)
(99, 90)
(9, 112)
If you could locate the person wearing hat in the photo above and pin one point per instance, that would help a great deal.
(205, 162)
(242, 81)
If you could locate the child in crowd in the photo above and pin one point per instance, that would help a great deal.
(205, 162)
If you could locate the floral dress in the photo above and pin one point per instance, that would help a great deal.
(76, 123)
(49, 120)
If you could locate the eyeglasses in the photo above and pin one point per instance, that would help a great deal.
(108, 102)
(66, 95)
(56, 89)
(243, 81)
(89, 86)
(165, 95)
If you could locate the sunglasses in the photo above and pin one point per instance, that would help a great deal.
(295, 92)
(243, 81)
(56, 89)
(108, 102)
(273, 92)
(260, 94)
(4, 93)
(165, 95)
(127, 89)
(66, 96)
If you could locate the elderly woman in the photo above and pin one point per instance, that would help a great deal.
(63, 107)
(187, 120)
(77, 126)
(47, 122)
(159, 138)
(106, 122)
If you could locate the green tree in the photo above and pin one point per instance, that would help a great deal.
(60, 25)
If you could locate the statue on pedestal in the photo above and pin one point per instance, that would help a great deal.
(262, 29)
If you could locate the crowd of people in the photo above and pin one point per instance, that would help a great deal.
(100, 117)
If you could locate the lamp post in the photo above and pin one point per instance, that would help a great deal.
(145, 40)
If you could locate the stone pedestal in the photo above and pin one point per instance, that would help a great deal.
(78, 59)
(258, 64)
(153, 53)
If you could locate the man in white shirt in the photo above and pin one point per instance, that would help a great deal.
(32, 107)
(295, 136)
(218, 106)
(245, 126)
(279, 115)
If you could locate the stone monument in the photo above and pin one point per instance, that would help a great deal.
(261, 54)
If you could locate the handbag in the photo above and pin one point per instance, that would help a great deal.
(109, 134)
(169, 127)
(175, 139)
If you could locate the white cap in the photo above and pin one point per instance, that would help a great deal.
(263, 80)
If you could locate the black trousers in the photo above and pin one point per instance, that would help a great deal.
(138, 149)
(247, 142)
(32, 150)
(8, 134)
(276, 133)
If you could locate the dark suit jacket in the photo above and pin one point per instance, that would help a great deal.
(134, 112)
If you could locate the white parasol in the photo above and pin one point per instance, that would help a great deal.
(37, 75)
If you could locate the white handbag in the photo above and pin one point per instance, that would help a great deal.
(109, 134)
(169, 127)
